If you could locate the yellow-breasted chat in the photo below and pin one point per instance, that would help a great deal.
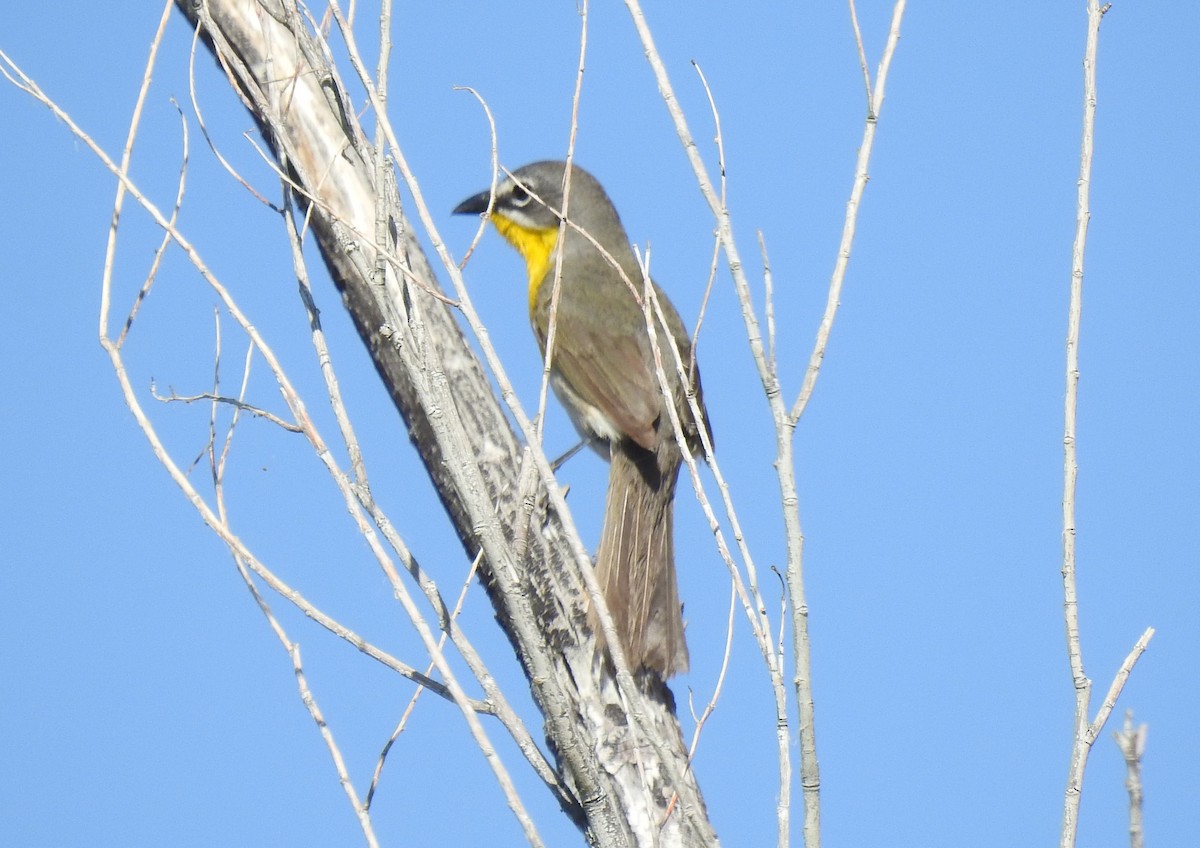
(603, 371)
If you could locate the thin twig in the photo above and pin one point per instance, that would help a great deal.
(236, 403)
(556, 282)
(495, 172)
(161, 250)
(335, 753)
(135, 120)
(768, 304)
(719, 141)
(850, 224)
(711, 706)
(416, 696)
(1133, 745)
(212, 144)
(862, 59)
(1085, 731)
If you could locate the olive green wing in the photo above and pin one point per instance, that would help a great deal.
(605, 363)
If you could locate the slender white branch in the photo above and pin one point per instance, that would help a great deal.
(1082, 685)
(1085, 731)
(861, 176)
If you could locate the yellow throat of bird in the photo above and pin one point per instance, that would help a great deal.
(535, 246)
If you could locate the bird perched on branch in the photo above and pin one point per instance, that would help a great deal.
(603, 370)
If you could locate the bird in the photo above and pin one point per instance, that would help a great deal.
(602, 369)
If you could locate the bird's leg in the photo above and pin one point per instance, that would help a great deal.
(562, 460)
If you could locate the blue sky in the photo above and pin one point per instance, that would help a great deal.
(145, 702)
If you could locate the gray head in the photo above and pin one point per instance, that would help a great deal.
(532, 198)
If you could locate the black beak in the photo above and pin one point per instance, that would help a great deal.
(474, 205)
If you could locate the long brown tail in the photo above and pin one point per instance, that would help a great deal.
(635, 563)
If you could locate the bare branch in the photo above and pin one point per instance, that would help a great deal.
(861, 176)
(862, 60)
(412, 702)
(1133, 745)
(1085, 731)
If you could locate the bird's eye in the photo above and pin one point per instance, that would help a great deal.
(519, 196)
